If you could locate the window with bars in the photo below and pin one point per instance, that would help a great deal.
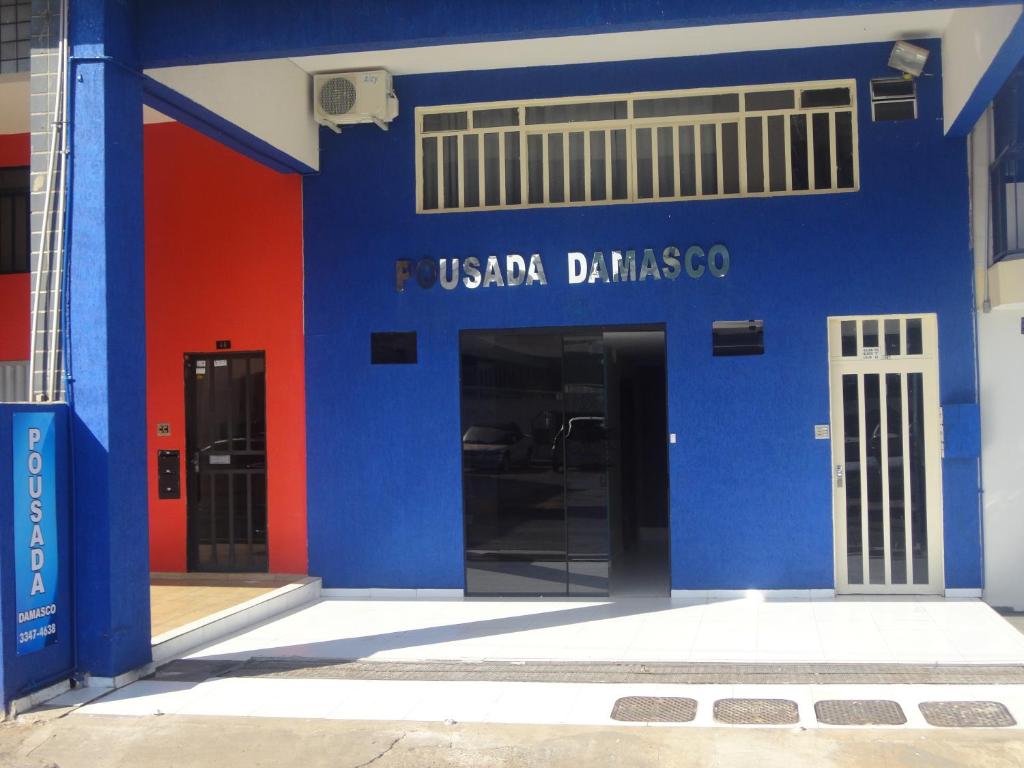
(15, 46)
(673, 145)
(14, 221)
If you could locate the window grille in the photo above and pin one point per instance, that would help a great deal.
(15, 46)
(1007, 179)
(642, 147)
(14, 220)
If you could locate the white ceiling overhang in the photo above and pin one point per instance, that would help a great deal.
(271, 99)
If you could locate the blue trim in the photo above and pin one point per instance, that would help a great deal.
(988, 86)
(184, 110)
(198, 31)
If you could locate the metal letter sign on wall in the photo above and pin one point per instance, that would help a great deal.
(35, 531)
(627, 266)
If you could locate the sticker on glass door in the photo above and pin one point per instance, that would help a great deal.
(886, 463)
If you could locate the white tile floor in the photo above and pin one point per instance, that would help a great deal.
(745, 630)
(834, 630)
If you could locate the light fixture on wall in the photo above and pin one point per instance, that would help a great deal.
(908, 58)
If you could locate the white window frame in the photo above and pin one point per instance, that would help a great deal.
(631, 124)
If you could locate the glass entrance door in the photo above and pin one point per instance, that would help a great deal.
(886, 455)
(553, 505)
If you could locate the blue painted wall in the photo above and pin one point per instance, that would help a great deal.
(20, 675)
(750, 487)
(107, 341)
(174, 32)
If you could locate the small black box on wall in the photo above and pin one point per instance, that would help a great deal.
(168, 474)
(730, 338)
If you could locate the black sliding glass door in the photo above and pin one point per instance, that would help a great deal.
(535, 463)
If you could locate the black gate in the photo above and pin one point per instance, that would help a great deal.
(226, 444)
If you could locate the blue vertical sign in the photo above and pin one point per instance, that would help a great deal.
(35, 531)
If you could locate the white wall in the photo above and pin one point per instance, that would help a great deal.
(972, 39)
(1001, 360)
(14, 90)
(272, 100)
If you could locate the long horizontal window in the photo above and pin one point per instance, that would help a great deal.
(672, 145)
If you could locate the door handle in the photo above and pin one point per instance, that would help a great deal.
(839, 475)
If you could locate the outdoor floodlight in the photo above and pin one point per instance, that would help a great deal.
(907, 58)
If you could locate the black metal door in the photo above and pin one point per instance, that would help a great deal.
(226, 444)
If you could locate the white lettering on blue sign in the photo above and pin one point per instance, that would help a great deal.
(35, 531)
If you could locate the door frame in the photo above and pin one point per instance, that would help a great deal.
(191, 475)
(564, 330)
(927, 364)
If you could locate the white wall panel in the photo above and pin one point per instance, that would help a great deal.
(1001, 357)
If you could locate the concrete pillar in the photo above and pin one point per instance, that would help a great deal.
(106, 328)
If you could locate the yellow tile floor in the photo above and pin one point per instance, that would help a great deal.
(176, 600)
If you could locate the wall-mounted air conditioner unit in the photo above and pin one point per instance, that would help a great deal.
(346, 98)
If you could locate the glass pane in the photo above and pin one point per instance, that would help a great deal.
(598, 167)
(512, 487)
(535, 167)
(512, 181)
(822, 152)
(798, 150)
(575, 113)
(429, 173)
(892, 338)
(849, 335)
(730, 158)
(585, 446)
(644, 164)
(897, 502)
(844, 150)
(870, 333)
(471, 170)
(492, 169)
(447, 121)
(755, 155)
(825, 97)
(876, 519)
(450, 159)
(620, 185)
(762, 100)
(577, 167)
(914, 343)
(495, 118)
(687, 105)
(777, 153)
(556, 169)
(851, 434)
(687, 161)
(918, 486)
(708, 160)
(666, 164)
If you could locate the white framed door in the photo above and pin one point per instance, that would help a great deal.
(886, 454)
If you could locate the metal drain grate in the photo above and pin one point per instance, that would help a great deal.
(757, 711)
(966, 714)
(192, 670)
(654, 709)
(859, 712)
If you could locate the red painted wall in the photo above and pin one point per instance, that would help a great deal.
(14, 289)
(224, 261)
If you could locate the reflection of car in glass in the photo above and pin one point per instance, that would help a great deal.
(584, 441)
(496, 446)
